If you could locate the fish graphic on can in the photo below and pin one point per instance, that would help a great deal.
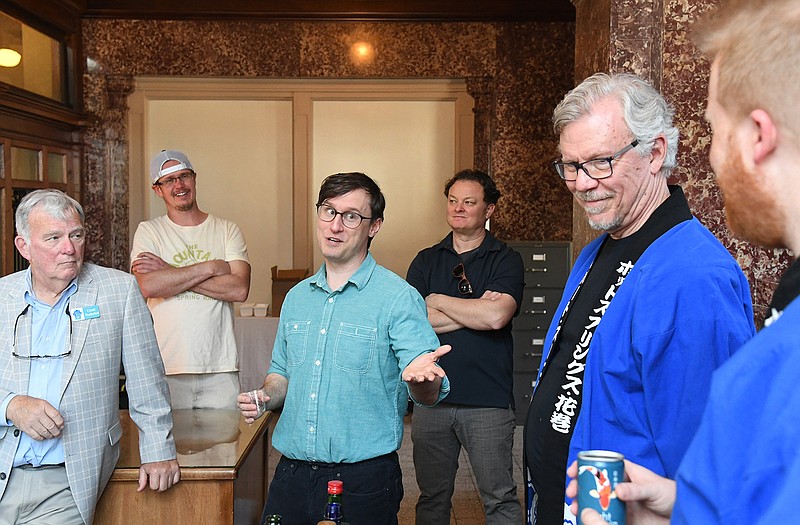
(599, 472)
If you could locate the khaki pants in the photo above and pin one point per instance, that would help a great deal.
(39, 496)
(204, 390)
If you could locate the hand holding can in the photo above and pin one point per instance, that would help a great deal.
(599, 472)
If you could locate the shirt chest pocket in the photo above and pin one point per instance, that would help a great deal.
(355, 348)
(296, 342)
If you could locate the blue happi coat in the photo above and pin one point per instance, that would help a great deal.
(680, 313)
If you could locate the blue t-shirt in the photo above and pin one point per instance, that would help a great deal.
(343, 352)
(743, 466)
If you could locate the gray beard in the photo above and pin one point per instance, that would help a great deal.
(609, 225)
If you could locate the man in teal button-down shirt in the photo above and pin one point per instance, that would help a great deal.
(353, 342)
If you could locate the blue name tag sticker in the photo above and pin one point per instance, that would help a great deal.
(87, 312)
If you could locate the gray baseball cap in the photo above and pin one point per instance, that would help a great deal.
(156, 171)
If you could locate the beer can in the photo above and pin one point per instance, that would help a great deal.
(599, 472)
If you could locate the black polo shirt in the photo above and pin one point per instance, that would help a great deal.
(480, 365)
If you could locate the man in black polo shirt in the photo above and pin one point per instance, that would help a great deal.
(472, 284)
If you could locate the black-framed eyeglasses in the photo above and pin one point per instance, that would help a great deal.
(350, 219)
(22, 356)
(170, 181)
(464, 286)
(595, 168)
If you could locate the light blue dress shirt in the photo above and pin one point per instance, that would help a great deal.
(50, 328)
(343, 352)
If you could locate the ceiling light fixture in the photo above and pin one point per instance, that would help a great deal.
(9, 57)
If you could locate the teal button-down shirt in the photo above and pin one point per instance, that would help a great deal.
(343, 352)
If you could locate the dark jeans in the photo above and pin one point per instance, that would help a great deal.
(372, 491)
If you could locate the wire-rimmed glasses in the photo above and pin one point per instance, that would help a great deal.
(596, 169)
(168, 182)
(29, 356)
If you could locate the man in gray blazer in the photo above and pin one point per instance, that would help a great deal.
(65, 328)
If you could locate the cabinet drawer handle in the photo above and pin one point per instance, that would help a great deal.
(534, 312)
(535, 269)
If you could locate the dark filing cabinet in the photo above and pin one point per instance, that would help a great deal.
(547, 266)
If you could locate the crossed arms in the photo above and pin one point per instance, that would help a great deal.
(222, 280)
(492, 311)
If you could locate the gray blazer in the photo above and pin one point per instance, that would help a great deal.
(123, 334)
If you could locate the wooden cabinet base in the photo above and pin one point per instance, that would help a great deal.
(214, 495)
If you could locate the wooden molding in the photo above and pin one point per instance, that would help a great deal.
(19, 103)
(53, 17)
(438, 10)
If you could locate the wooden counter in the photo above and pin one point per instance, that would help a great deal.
(224, 470)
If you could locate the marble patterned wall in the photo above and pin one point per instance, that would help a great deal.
(651, 38)
(515, 71)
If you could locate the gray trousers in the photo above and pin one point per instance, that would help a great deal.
(487, 435)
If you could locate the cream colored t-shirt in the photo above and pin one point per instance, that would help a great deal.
(194, 331)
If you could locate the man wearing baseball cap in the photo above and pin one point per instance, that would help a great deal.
(191, 266)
